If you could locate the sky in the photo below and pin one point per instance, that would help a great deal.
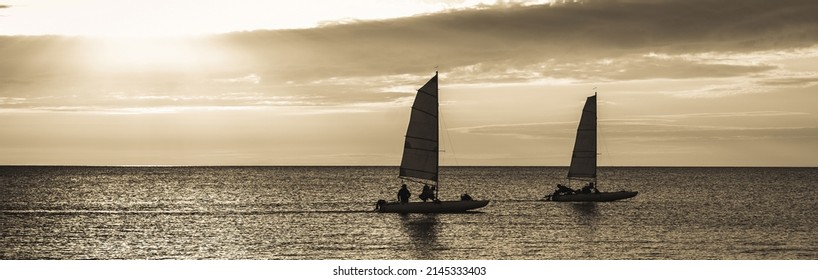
(679, 82)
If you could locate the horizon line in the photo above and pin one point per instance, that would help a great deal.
(397, 166)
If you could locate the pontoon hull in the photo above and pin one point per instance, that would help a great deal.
(432, 207)
(593, 197)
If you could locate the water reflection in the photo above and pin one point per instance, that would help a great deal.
(422, 231)
(586, 213)
(584, 229)
(585, 210)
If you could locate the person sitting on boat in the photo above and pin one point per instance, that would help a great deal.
(593, 187)
(563, 190)
(404, 194)
(465, 196)
(587, 188)
(427, 193)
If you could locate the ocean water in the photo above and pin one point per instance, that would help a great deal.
(321, 213)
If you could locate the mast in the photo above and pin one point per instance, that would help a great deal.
(596, 127)
(437, 165)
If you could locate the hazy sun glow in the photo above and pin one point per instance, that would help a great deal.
(135, 54)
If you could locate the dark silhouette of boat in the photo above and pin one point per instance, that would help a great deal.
(583, 164)
(420, 158)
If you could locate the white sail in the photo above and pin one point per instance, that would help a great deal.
(420, 151)
(583, 161)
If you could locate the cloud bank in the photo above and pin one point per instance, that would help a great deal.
(578, 41)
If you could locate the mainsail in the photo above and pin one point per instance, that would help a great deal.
(420, 152)
(583, 161)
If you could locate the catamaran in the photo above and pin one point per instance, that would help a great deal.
(420, 158)
(583, 164)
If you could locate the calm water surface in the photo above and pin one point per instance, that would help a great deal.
(326, 213)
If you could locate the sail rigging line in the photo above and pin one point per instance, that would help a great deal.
(445, 128)
(607, 152)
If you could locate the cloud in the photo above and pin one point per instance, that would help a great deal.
(652, 128)
(791, 82)
(383, 60)
(12, 100)
(251, 79)
(777, 79)
(591, 40)
(762, 114)
(690, 133)
(543, 130)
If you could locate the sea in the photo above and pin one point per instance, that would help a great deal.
(326, 213)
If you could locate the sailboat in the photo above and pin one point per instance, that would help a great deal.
(583, 164)
(420, 158)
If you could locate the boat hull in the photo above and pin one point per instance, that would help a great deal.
(592, 197)
(432, 207)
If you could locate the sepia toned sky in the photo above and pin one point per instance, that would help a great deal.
(680, 82)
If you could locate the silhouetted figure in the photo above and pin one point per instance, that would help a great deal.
(427, 193)
(586, 189)
(563, 190)
(465, 196)
(404, 194)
